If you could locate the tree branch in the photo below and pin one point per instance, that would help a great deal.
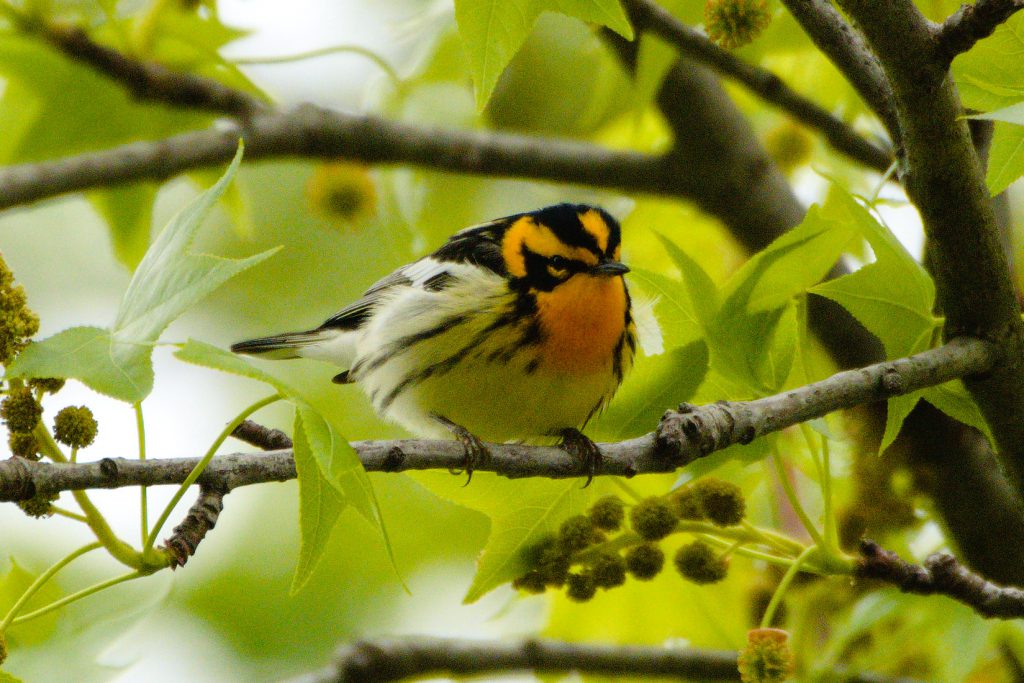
(941, 575)
(150, 80)
(845, 48)
(969, 24)
(395, 659)
(314, 132)
(647, 16)
(943, 177)
(681, 437)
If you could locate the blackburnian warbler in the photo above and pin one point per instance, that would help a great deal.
(515, 330)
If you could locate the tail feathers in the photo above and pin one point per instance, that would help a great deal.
(279, 347)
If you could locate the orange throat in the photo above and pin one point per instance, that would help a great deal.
(582, 320)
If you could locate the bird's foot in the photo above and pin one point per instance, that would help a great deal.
(578, 445)
(475, 450)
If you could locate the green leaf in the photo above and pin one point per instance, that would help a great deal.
(92, 355)
(493, 31)
(653, 60)
(952, 399)
(702, 289)
(744, 340)
(128, 211)
(8, 678)
(169, 280)
(1012, 114)
(657, 384)
(1005, 157)
(988, 75)
(897, 410)
(672, 307)
(891, 297)
(13, 584)
(320, 505)
(338, 463)
(798, 259)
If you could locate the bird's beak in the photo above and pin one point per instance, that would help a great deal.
(609, 269)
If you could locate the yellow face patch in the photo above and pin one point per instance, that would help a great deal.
(540, 240)
(598, 229)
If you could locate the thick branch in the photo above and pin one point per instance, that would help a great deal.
(969, 24)
(845, 48)
(942, 575)
(380, 661)
(768, 86)
(319, 133)
(943, 177)
(398, 659)
(681, 438)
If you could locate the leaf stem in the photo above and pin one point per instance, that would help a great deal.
(78, 595)
(140, 427)
(41, 581)
(794, 501)
(118, 549)
(201, 465)
(69, 514)
(780, 591)
(323, 52)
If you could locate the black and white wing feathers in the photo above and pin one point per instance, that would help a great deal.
(479, 245)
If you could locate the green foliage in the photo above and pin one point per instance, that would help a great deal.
(321, 442)
(171, 278)
(989, 76)
(493, 30)
(13, 583)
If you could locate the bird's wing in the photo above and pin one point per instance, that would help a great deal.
(479, 245)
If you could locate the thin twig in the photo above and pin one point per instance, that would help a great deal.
(149, 80)
(681, 437)
(201, 518)
(969, 24)
(768, 86)
(941, 574)
(845, 48)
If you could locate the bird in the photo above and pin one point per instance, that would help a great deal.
(519, 329)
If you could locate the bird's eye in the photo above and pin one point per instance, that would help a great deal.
(558, 262)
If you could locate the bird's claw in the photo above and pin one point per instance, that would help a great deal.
(475, 450)
(580, 446)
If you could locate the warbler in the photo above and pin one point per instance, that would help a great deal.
(518, 329)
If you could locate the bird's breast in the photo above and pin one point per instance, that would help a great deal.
(582, 322)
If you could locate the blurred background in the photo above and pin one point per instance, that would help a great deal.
(228, 615)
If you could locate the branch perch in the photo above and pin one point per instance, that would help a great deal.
(682, 437)
(941, 575)
(395, 659)
(969, 24)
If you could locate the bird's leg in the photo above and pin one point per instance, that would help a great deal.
(476, 451)
(578, 445)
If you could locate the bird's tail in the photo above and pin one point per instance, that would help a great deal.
(283, 346)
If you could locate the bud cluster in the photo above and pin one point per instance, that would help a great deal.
(581, 558)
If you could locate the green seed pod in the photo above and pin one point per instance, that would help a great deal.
(734, 23)
(48, 385)
(75, 427)
(23, 445)
(530, 582)
(576, 533)
(608, 513)
(653, 519)
(38, 506)
(20, 410)
(766, 657)
(686, 503)
(722, 501)
(580, 587)
(699, 563)
(645, 561)
(608, 570)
